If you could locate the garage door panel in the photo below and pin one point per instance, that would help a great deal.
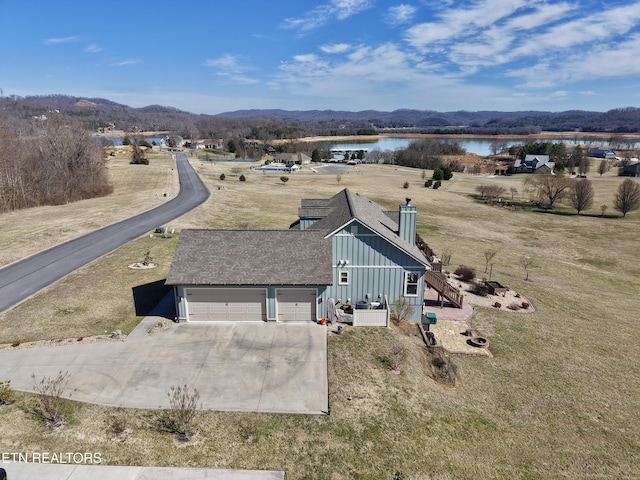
(210, 304)
(297, 305)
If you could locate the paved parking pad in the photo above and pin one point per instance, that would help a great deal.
(248, 366)
(29, 471)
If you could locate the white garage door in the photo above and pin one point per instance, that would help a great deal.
(226, 304)
(297, 305)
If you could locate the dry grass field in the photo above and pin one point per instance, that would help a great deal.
(559, 399)
(137, 188)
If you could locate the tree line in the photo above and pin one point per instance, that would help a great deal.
(49, 163)
(267, 125)
(549, 189)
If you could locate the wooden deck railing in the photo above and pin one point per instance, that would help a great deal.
(438, 282)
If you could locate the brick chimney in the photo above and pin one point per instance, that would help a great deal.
(407, 222)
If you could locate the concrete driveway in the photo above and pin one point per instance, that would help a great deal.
(41, 471)
(249, 366)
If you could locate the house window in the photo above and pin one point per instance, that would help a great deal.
(343, 278)
(411, 284)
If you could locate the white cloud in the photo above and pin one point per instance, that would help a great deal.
(124, 63)
(53, 41)
(368, 77)
(319, 16)
(93, 48)
(229, 67)
(308, 58)
(345, 8)
(335, 48)
(400, 14)
(227, 62)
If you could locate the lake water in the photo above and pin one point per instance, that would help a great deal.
(479, 146)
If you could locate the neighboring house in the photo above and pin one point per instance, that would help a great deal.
(346, 249)
(207, 145)
(632, 170)
(534, 164)
(172, 141)
(602, 153)
(290, 159)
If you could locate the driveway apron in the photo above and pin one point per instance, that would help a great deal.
(248, 366)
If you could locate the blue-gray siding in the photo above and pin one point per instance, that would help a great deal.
(375, 267)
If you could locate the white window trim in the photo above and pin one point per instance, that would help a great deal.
(343, 282)
(406, 284)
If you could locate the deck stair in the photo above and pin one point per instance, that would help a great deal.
(438, 281)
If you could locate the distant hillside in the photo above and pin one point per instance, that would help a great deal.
(618, 120)
(277, 123)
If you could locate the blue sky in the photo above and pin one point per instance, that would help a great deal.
(221, 55)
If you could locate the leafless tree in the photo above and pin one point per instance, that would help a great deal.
(53, 163)
(549, 188)
(581, 195)
(514, 192)
(603, 167)
(488, 256)
(583, 166)
(446, 256)
(527, 264)
(497, 146)
(491, 192)
(627, 198)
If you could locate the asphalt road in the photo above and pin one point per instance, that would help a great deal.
(22, 279)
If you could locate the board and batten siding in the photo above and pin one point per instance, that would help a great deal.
(375, 267)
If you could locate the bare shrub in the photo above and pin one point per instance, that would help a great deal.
(6, 393)
(478, 287)
(184, 404)
(491, 193)
(513, 306)
(440, 367)
(465, 273)
(401, 310)
(117, 422)
(147, 260)
(393, 357)
(52, 408)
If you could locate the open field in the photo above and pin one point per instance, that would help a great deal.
(559, 398)
(137, 188)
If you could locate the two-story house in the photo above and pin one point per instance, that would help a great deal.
(346, 249)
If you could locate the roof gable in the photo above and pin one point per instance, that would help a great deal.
(345, 206)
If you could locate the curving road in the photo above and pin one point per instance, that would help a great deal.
(22, 279)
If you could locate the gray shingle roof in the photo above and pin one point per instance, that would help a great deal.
(346, 206)
(251, 257)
